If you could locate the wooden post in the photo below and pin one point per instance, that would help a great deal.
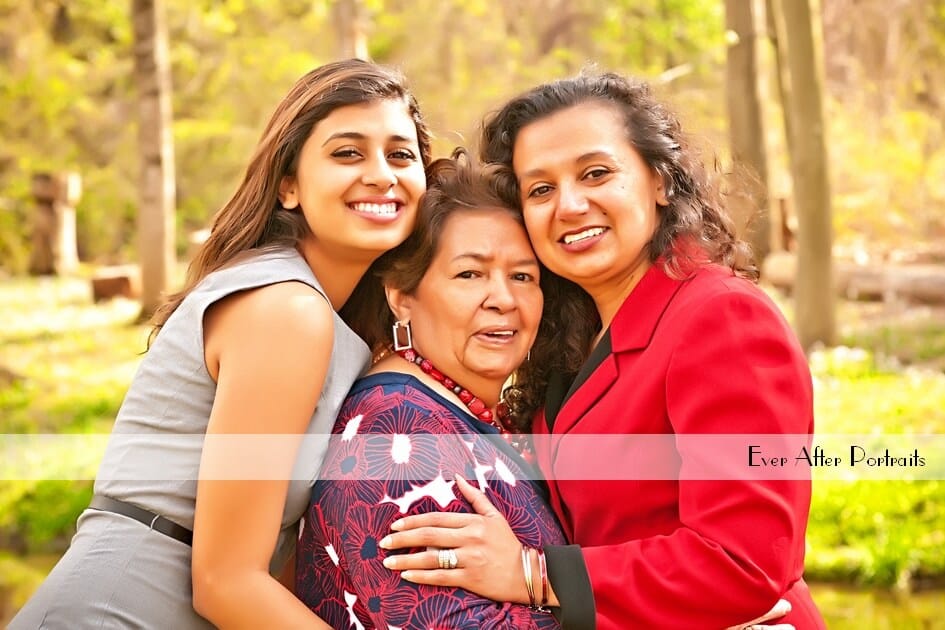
(54, 239)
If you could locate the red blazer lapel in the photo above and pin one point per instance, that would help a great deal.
(587, 394)
(638, 316)
(545, 445)
(631, 330)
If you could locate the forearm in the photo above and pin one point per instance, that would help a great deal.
(267, 351)
(253, 600)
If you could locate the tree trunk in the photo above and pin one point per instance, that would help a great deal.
(798, 36)
(746, 118)
(350, 19)
(156, 150)
(780, 185)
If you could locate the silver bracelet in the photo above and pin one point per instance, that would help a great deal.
(527, 566)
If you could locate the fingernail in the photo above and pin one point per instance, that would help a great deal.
(396, 525)
(407, 575)
(389, 563)
(385, 544)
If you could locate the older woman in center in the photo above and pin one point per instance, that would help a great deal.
(464, 307)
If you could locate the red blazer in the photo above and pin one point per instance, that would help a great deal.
(707, 355)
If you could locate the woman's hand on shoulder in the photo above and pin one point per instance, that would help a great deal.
(487, 551)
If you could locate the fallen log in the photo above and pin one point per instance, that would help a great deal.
(888, 282)
(117, 281)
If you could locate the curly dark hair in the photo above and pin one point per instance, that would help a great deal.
(695, 213)
(457, 185)
(694, 228)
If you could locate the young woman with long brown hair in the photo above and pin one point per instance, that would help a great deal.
(186, 528)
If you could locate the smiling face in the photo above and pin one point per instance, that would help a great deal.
(476, 311)
(589, 199)
(358, 181)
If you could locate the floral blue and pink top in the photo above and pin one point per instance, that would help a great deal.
(396, 447)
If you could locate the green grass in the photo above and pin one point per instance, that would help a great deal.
(75, 358)
(73, 361)
(921, 341)
(888, 533)
(887, 379)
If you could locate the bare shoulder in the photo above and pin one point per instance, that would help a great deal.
(290, 303)
(287, 317)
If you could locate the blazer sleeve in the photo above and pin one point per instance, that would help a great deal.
(736, 369)
(363, 512)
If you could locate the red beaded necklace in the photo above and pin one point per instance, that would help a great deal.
(475, 405)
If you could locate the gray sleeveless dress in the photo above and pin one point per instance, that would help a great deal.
(118, 573)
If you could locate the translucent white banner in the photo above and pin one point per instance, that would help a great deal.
(572, 457)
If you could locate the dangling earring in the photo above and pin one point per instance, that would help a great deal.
(528, 357)
(402, 325)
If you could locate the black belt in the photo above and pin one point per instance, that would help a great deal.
(152, 520)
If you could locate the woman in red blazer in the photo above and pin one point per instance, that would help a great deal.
(683, 342)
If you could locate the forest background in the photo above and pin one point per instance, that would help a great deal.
(69, 103)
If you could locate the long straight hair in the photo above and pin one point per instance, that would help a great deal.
(253, 218)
